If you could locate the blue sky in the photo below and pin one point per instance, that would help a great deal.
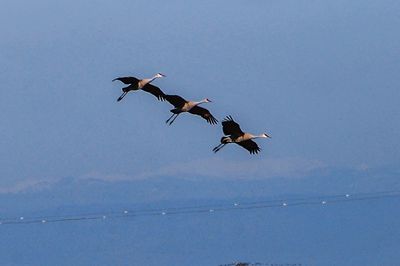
(321, 77)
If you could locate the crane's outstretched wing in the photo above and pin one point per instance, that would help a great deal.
(156, 91)
(230, 127)
(175, 100)
(204, 113)
(127, 80)
(250, 145)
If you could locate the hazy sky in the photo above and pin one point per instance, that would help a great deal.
(321, 77)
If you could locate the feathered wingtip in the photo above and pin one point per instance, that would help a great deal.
(161, 98)
(127, 80)
(255, 151)
(212, 120)
(228, 118)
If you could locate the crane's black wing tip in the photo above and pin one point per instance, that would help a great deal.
(161, 98)
(255, 151)
(119, 79)
(228, 118)
(211, 120)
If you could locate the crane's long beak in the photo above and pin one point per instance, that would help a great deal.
(162, 74)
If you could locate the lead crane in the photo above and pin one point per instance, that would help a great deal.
(141, 84)
(236, 135)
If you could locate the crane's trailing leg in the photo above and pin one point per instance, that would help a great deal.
(122, 96)
(173, 119)
(220, 146)
(224, 141)
(166, 122)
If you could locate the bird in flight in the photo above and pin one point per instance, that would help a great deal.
(141, 84)
(236, 135)
(181, 106)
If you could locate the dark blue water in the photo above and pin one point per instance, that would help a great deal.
(353, 233)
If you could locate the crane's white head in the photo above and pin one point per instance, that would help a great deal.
(206, 100)
(159, 75)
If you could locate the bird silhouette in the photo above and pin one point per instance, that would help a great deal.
(141, 84)
(236, 135)
(181, 106)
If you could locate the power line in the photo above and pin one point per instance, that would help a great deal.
(211, 208)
